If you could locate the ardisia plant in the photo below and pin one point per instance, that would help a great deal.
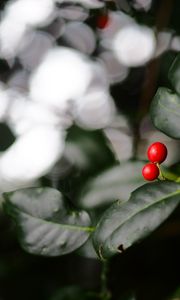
(49, 225)
(65, 190)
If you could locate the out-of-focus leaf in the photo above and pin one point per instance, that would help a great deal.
(170, 173)
(87, 250)
(80, 36)
(115, 183)
(123, 224)
(73, 12)
(88, 150)
(175, 169)
(174, 74)
(176, 295)
(45, 226)
(165, 112)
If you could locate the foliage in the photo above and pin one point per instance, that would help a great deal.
(92, 204)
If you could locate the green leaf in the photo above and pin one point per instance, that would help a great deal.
(125, 223)
(87, 250)
(174, 74)
(89, 151)
(165, 112)
(175, 169)
(115, 183)
(45, 226)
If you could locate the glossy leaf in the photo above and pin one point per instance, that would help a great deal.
(115, 183)
(174, 74)
(45, 226)
(165, 112)
(124, 224)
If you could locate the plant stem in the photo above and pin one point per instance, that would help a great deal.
(160, 173)
(104, 294)
(167, 176)
(136, 139)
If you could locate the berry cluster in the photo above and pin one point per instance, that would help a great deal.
(157, 153)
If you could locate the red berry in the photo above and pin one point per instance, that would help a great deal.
(150, 172)
(102, 21)
(157, 152)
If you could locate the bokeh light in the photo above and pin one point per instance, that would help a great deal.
(134, 45)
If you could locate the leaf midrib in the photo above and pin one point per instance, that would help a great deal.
(66, 226)
(145, 208)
